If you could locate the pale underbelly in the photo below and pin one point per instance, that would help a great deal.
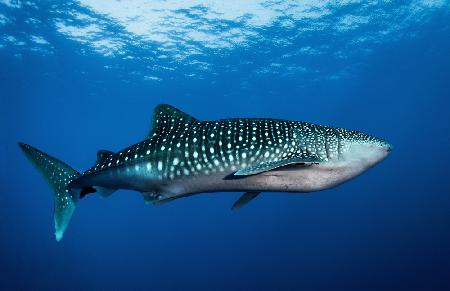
(295, 178)
(288, 179)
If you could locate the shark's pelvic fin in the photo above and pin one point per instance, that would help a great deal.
(264, 167)
(166, 117)
(244, 199)
(151, 197)
(58, 175)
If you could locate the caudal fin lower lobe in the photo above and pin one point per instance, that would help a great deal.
(58, 175)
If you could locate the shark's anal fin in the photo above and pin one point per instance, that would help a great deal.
(103, 191)
(268, 166)
(244, 199)
(86, 190)
(102, 155)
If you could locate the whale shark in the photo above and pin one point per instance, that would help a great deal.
(183, 156)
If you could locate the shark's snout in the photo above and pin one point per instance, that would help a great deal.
(379, 153)
(367, 153)
(386, 146)
(389, 148)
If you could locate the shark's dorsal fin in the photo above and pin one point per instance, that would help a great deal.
(268, 166)
(103, 155)
(244, 199)
(167, 116)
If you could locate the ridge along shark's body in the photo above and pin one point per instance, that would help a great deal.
(183, 156)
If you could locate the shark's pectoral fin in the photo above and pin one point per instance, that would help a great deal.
(268, 166)
(264, 167)
(244, 199)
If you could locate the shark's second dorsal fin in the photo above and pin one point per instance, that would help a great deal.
(103, 155)
(167, 116)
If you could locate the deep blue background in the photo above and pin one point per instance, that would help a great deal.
(389, 229)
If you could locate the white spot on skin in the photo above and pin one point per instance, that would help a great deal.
(195, 155)
(176, 161)
(160, 166)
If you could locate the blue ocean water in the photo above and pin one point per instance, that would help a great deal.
(86, 75)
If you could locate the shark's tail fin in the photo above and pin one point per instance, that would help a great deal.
(58, 175)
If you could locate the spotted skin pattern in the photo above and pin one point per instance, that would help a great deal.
(58, 175)
(180, 145)
(183, 156)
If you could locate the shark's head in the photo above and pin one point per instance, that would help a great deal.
(364, 151)
(350, 153)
